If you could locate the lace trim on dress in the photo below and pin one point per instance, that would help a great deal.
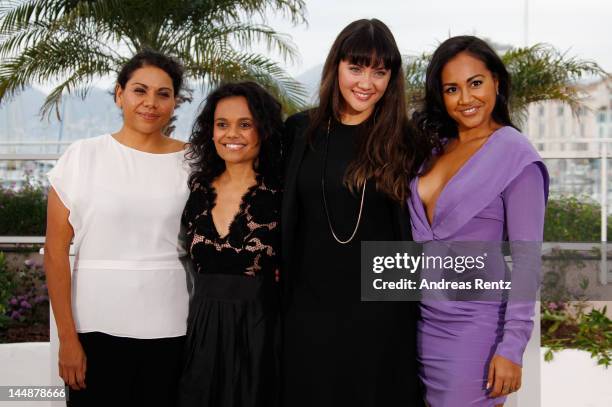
(252, 232)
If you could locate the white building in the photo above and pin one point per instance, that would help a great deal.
(558, 133)
(551, 123)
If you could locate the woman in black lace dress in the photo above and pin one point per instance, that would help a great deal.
(231, 218)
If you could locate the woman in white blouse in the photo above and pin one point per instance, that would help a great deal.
(121, 316)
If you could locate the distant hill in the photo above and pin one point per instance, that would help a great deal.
(82, 118)
(311, 79)
(97, 114)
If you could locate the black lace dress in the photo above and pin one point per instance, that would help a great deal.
(231, 357)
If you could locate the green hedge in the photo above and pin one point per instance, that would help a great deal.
(568, 219)
(24, 302)
(6, 291)
(23, 212)
(571, 219)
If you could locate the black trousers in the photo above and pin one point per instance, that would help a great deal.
(128, 372)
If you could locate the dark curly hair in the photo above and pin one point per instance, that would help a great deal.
(206, 164)
(432, 120)
(149, 57)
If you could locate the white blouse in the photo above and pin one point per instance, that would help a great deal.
(125, 208)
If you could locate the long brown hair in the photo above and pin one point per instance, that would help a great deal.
(387, 150)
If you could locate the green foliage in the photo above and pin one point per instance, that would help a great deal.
(24, 302)
(29, 302)
(568, 219)
(571, 219)
(566, 325)
(539, 73)
(23, 212)
(564, 322)
(415, 68)
(78, 41)
(595, 335)
(6, 291)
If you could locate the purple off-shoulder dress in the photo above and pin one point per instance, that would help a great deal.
(501, 189)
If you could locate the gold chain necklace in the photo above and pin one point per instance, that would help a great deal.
(363, 189)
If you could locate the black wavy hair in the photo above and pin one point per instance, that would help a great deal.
(206, 164)
(432, 120)
(149, 57)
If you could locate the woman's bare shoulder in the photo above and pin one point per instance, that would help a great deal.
(175, 145)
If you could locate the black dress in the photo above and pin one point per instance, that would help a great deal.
(339, 351)
(231, 357)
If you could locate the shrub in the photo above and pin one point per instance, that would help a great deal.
(23, 212)
(6, 291)
(29, 302)
(24, 303)
(566, 325)
(571, 219)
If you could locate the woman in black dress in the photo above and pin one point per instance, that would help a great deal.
(231, 217)
(347, 182)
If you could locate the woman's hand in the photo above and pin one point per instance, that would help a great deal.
(72, 363)
(504, 376)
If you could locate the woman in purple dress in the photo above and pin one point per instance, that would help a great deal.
(483, 182)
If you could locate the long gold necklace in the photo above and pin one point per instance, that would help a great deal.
(363, 189)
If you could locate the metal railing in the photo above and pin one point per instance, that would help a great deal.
(32, 156)
(603, 155)
(22, 240)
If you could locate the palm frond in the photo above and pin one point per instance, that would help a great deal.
(15, 15)
(538, 73)
(214, 70)
(52, 60)
(78, 83)
(415, 68)
(72, 41)
(239, 35)
(12, 41)
(541, 72)
(236, 10)
(270, 75)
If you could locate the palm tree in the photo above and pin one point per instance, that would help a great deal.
(539, 72)
(77, 41)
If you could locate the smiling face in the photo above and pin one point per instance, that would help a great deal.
(361, 87)
(469, 91)
(235, 134)
(147, 100)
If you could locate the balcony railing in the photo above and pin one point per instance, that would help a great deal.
(602, 154)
